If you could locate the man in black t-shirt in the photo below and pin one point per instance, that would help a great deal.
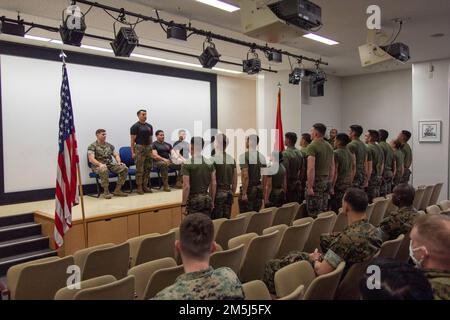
(181, 146)
(162, 151)
(141, 139)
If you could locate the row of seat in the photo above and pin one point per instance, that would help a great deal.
(427, 196)
(442, 207)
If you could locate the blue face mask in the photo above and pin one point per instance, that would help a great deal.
(417, 262)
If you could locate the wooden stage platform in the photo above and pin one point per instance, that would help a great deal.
(110, 221)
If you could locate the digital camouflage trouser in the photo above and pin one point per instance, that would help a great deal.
(276, 198)
(360, 178)
(199, 202)
(319, 201)
(406, 176)
(373, 189)
(386, 185)
(164, 170)
(222, 204)
(144, 164)
(255, 198)
(293, 190)
(339, 191)
(120, 169)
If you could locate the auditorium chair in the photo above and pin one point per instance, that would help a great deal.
(95, 176)
(127, 159)
(294, 238)
(102, 260)
(302, 212)
(162, 279)
(228, 229)
(297, 294)
(444, 205)
(38, 279)
(391, 207)
(102, 288)
(216, 224)
(434, 209)
(369, 210)
(260, 221)
(290, 277)
(151, 247)
(322, 224)
(426, 197)
(256, 290)
(248, 216)
(231, 258)
(418, 198)
(324, 287)
(379, 209)
(285, 214)
(403, 250)
(242, 239)
(389, 249)
(144, 272)
(435, 194)
(341, 222)
(281, 228)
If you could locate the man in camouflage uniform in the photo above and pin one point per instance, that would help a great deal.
(293, 162)
(305, 141)
(358, 148)
(226, 177)
(430, 251)
(400, 221)
(375, 164)
(251, 163)
(357, 243)
(389, 163)
(345, 169)
(161, 152)
(201, 281)
(399, 159)
(141, 151)
(404, 137)
(100, 154)
(198, 176)
(320, 172)
(276, 183)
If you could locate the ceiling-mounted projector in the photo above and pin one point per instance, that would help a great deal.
(279, 21)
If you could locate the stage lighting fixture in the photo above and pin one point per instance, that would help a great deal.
(296, 76)
(73, 26)
(274, 56)
(177, 33)
(125, 42)
(317, 83)
(14, 29)
(253, 64)
(210, 55)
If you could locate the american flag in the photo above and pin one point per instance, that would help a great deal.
(66, 178)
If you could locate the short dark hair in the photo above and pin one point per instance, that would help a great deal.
(321, 128)
(196, 141)
(356, 199)
(374, 135)
(222, 138)
(384, 134)
(407, 134)
(307, 137)
(343, 139)
(357, 129)
(142, 110)
(253, 137)
(99, 131)
(158, 132)
(292, 137)
(196, 235)
(399, 281)
(404, 194)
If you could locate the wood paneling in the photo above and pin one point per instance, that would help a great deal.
(133, 226)
(108, 231)
(159, 221)
(74, 240)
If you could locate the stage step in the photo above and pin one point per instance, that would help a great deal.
(23, 245)
(18, 231)
(6, 263)
(16, 219)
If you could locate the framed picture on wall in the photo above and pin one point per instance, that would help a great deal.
(430, 131)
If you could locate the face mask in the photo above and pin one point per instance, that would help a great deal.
(418, 263)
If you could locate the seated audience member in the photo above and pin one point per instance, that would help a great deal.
(161, 152)
(276, 184)
(400, 221)
(398, 281)
(100, 155)
(430, 251)
(356, 243)
(201, 281)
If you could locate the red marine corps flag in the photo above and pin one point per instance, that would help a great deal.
(67, 194)
(279, 138)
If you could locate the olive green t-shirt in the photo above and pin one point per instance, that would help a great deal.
(199, 171)
(292, 161)
(400, 159)
(388, 155)
(278, 178)
(343, 160)
(406, 149)
(358, 148)
(375, 154)
(322, 151)
(225, 166)
(254, 161)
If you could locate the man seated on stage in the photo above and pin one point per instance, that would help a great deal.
(182, 147)
(200, 281)
(161, 152)
(100, 154)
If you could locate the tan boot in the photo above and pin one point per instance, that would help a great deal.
(166, 187)
(147, 190)
(179, 184)
(107, 195)
(140, 190)
(119, 193)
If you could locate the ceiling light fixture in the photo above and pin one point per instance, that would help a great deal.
(220, 5)
(321, 39)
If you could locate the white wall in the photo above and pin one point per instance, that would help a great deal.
(431, 102)
(376, 101)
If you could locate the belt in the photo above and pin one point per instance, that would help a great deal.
(198, 194)
(224, 187)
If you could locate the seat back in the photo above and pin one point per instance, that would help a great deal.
(389, 249)
(390, 208)
(435, 194)
(143, 272)
(256, 290)
(229, 229)
(68, 293)
(118, 290)
(135, 245)
(418, 198)
(369, 210)
(39, 279)
(403, 250)
(260, 250)
(434, 209)
(444, 205)
(426, 197)
(156, 247)
(379, 210)
(341, 222)
(231, 258)
(247, 216)
(281, 228)
(294, 238)
(302, 212)
(125, 156)
(297, 294)
(290, 277)
(324, 287)
(260, 221)
(217, 223)
(113, 260)
(322, 224)
(162, 279)
(285, 214)
(242, 239)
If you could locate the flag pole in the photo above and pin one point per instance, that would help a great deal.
(80, 186)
